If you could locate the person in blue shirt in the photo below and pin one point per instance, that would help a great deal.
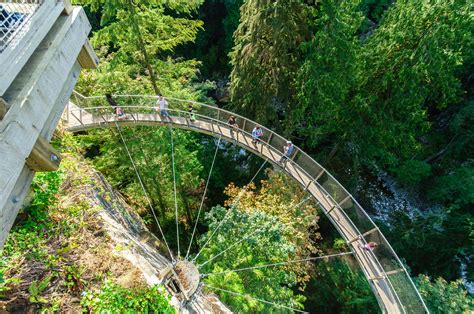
(10, 20)
(287, 151)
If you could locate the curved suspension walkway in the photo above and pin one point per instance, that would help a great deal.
(388, 278)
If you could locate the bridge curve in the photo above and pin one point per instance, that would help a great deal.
(387, 276)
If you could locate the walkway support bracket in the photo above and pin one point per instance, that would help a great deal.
(87, 57)
(43, 157)
(3, 108)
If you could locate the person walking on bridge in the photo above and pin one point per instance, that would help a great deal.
(257, 133)
(287, 151)
(233, 125)
(192, 116)
(369, 246)
(118, 111)
(162, 106)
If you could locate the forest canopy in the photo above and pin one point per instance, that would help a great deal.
(379, 92)
(366, 87)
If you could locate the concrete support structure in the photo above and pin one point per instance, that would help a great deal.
(39, 72)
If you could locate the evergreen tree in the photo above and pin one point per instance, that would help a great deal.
(372, 97)
(265, 57)
(129, 30)
(327, 79)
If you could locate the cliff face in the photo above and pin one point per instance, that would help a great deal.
(87, 235)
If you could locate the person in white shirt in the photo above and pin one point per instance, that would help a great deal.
(162, 105)
(257, 133)
(287, 151)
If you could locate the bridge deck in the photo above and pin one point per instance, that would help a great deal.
(343, 213)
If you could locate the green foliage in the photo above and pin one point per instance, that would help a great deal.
(37, 287)
(339, 244)
(436, 237)
(123, 68)
(443, 297)
(265, 243)
(46, 186)
(28, 236)
(265, 57)
(412, 172)
(374, 9)
(455, 188)
(151, 152)
(215, 41)
(328, 76)
(340, 289)
(6, 283)
(73, 277)
(113, 298)
(372, 97)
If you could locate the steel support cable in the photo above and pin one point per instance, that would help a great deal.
(278, 264)
(155, 183)
(203, 196)
(243, 239)
(144, 190)
(174, 187)
(253, 298)
(228, 211)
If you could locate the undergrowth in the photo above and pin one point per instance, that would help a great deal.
(113, 298)
(57, 250)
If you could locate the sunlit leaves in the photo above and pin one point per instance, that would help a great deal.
(264, 243)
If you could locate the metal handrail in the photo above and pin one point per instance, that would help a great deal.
(14, 18)
(325, 193)
(296, 165)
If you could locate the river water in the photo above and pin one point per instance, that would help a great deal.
(381, 195)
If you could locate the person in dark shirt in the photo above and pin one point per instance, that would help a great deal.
(233, 125)
(117, 110)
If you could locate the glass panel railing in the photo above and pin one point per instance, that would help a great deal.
(358, 217)
(383, 252)
(147, 105)
(406, 293)
(348, 214)
(207, 111)
(277, 142)
(333, 187)
(308, 164)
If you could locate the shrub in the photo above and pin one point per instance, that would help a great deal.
(114, 298)
(412, 172)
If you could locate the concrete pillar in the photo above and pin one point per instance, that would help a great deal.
(41, 77)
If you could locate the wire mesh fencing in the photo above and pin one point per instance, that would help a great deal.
(15, 17)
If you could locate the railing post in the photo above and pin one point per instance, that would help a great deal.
(307, 185)
(269, 138)
(294, 155)
(344, 200)
(331, 209)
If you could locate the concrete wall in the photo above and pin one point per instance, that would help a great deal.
(44, 76)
